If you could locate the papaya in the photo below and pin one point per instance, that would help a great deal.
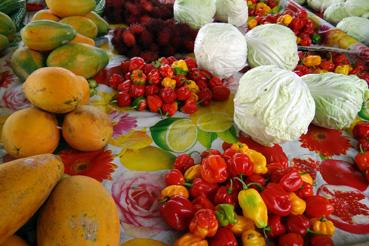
(14, 241)
(4, 42)
(82, 40)
(79, 212)
(102, 25)
(24, 186)
(46, 35)
(45, 14)
(25, 61)
(85, 87)
(30, 132)
(82, 25)
(7, 27)
(87, 128)
(70, 7)
(53, 89)
(82, 59)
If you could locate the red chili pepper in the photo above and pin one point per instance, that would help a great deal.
(125, 66)
(204, 223)
(189, 107)
(220, 93)
(341, 59)
(361, 130)
(214, 169)
(215, 81)
(174, 177)
(226, 194)
(255, 178)
(125, 86)
(229, 153)
(115, 80)
(276, 226)
(191, 63)
(276, 168)
(240, 164)
(163, 61)
(123, 99)
(137, 91)
(291, 181)
(154, 77)
(183, 162)
(362, 160)
(195, 74)
(305, 191)
(296, 25)
(183, 93)
(151, 90)
(166, 71)
(127, 76)
(201, 187)
(155, 103)
(136, 63)
(138, 77)
(169, 108)
(327, 65)
(291, 239)
(177, 212)
(305, 40)
(276, 199)
(148, 68)
(298, 224)
(171, 59)
(206, 74)
(318, 206)
(168, 95)
(180, 80)
(202, 202)
(205, 96)
(208, 152)
(223, 237)
(319, 240)
(139, 104)
(201, 83)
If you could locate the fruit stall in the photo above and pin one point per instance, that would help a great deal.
(184, 122)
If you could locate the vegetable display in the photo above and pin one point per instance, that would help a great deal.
(234, 12)
(357, 27)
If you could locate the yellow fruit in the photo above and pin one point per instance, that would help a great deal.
(87, 128)
(53, 89)
(79, 212)
(45, 14)
(30, 132)
(25, 61)
(102, 25)
(143, 242)
(82, 40)
(14, 241)
(25, 184)
(82, 25)
(70, 7)
(85, 88)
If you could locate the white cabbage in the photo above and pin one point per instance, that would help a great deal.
(357, 27)
(335, 13)
(234, 12)
(321, 5)
(221, 49)
(272, 44)
(338, 98)
(273, 105)
(357, 7)
(195, 13)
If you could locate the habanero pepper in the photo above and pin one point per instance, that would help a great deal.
(240, 147)
(318, 206)
(224, 237)
(189, 239)
(190, 106)
(180, 67)
(201, 202)
(174, 177)
(192, 86)
(193, 172)
(201, 187)
(319, 240)
(220, 93)
(362, 160)
(258, 160)
(240, 164)
(155, 103)
(298, 205)
(154, 77)
(191, 63)
(327, 65)
(137, 91)
(125, 86)
(180, 80)
(252, 238)
(276, 199)
(139, 104)
(208, 152)
(276, 226)
(168, 82)
(138, 77)
(168, 95)
(291, 239)
(183, 93)
(174, 190)
(225, 214)
(225, 195)
(169, 109)
(298, 224)
(322, 226)
(123, 99)
(205, 96)
(291, 180)
(363, 144)
(242, 224)
(183, 162)
(305, 191)
(214, 169)
(204, 223)
(177, 212)
(215, 81)
(312, 60)
(151, 90)
(166, 71)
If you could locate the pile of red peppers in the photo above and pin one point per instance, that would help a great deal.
(238, 198)
(361, 134)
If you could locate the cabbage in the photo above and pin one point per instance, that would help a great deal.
(195, 13)
(300, 1)
(221, 49)
(273, 105)
(272, 44)
(338, 98)
(321, 5)
(234, 12)
(335, 13)
(357, 27)
(357, 7)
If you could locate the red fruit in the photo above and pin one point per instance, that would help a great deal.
(189, 107)
(164, 37)
(137, 90)
(155, 103)
(205, 96)
(136, 28)
(166, 71)
(318, 206)
(195, 74)
(163, 61)
(319, 240)
(128, 38)
(220, 93)
(171, 59)
(180, 80)
(125, 66)
(174, 177)
(183, 93)
(146, 38)
(191, 63)
(215, 81)
(169, 109)
(127, 76)
(136, 63)
(147, 68)
(291, 239)
(125, 86)
(124, 99)
(147, 6)
(327, 65)
(154, 76)
(168, 95)
(138, 77)
(115, 80)
(151, 90)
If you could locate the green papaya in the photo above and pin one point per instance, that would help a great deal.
(4, 42)
(102, 25)
(82, 25)
(24, 61)
(7, 26)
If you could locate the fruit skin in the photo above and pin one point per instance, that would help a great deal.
(24, 61)
(82, 25)
(7, 26)
(85, 87)
(46, 35)
(80, 39)
(14, 241)
(102, 25)
(4, 42)
(29, 132)
(53, 89)
(45, 14)
(87, 128)
(70, 7)
(79, 212)
(24, 186)
(72, 56)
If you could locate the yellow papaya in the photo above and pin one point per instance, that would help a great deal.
(4, 42)
(70, 7)
(25, 184)
(25, 61)
(14, 241)
(102, 25)
(45, 14)
(46, 35)
(82, 40)
(7, 26)
(82, 25)
(82, 59)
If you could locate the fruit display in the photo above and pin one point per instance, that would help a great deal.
(7, 31)
(237, 194)
(165, 86)
(154, 39)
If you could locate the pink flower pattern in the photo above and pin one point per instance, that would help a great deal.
(14, 98)
(122, 123)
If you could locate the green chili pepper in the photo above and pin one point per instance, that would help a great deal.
(316, 38)
(225, 214)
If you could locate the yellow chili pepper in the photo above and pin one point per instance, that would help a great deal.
(169, 82)
(251, 23)
(285, 19)
(252, 238)
(298, 40)
(240, 147)
(174, 190)
(312, 61)
(192, 86)
(180, 67)
(323, 226)
(343, 69)
(189, 239)
(242, 224)
(259, 161)
(298, 205)
(193, 172)
(306, 177)
(263, 8)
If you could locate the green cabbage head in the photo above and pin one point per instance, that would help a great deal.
(195, 13)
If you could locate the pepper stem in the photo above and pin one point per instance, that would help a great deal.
(314, 232)
(361, 149)
(246, 186)
(230, 189)
(189, 185)
(265, 230)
